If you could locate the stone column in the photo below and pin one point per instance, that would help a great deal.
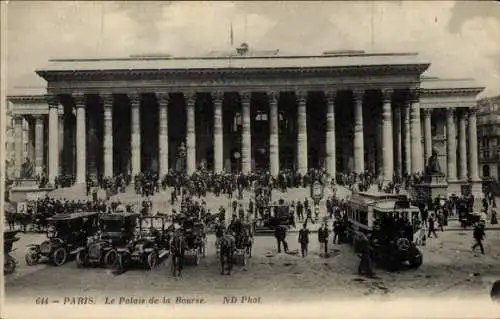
(302, 149)
(81, 136)
(61, 140)
(407, 138)
(108, 135)
(274, 149)
(359, 144)
(462, 140)
(246, 137)
(416, 135)
(135, 133)
(427, 133)
(218, 99)
(398, 140)
(163, 99)
(53, 140)
(451, 145)
(331, 151)
(473, 150)
(387, 138)
(19, 146)
(190, 134)
(39, 144)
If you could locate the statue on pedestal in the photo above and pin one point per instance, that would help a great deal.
(27, 169)
(433, 167)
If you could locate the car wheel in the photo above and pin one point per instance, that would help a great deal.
(416, 258)
(31, 258)
(9, 265)
(111, 258)
(152, 260)
(59, 256)
(81, 259)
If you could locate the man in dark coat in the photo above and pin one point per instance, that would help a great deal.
(304, 240)
(478, 237)
(280, 234)
(323, 238)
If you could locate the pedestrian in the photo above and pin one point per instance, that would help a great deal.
(337, 226)
(323, 239)
(304, 240)
(309, 216)
(494, 219)
(280, 235)
(365, 265)
(478, 237)
(432, 229)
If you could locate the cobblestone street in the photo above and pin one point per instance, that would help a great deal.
(449, 269)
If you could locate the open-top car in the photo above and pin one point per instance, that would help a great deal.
(9, 262)
(148, 247)
(115, 231)
(64, 234)
(195, 239)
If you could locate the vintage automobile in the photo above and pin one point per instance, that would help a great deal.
(115, 231)
(389, 222)
(147, 248)
(65, 232)
(274, 216)
(9, 262)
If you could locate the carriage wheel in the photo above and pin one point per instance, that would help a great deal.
(9, 265)
(59, 256)
(152, 260)
(111, 258)
(31, 258)
(81, 259)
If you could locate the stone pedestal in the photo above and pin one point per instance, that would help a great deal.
(433, 186)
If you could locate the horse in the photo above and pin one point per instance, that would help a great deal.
(177, 251)
(227, 248)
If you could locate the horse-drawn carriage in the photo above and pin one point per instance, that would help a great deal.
(9, 262)
(65, 233)
(115, 231)
(148, 248)
(243, 241)
(195, 239)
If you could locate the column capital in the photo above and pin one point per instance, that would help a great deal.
(301, 96)
(413, 95)
(190, 97)
(427, 113)
(358, 94)
(387, 94)
(134, 98)
(107, 99)
(217, 96)
(273, 96)
(245, 96)
(38, 117)
(162, 97)
(450, 112)
(52, 100)
(79, 99)
(330, 95)
(473, 110)
(18, 118)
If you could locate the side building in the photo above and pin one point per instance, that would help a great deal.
(488, 129)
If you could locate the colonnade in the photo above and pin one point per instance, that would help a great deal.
(401, 135)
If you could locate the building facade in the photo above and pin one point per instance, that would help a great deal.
(488, 124)
(342, 111)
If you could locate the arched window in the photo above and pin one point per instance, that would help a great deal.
(486, 171)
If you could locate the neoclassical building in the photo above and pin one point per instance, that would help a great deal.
(251, 110)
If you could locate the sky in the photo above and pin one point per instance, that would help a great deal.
(461, 39)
